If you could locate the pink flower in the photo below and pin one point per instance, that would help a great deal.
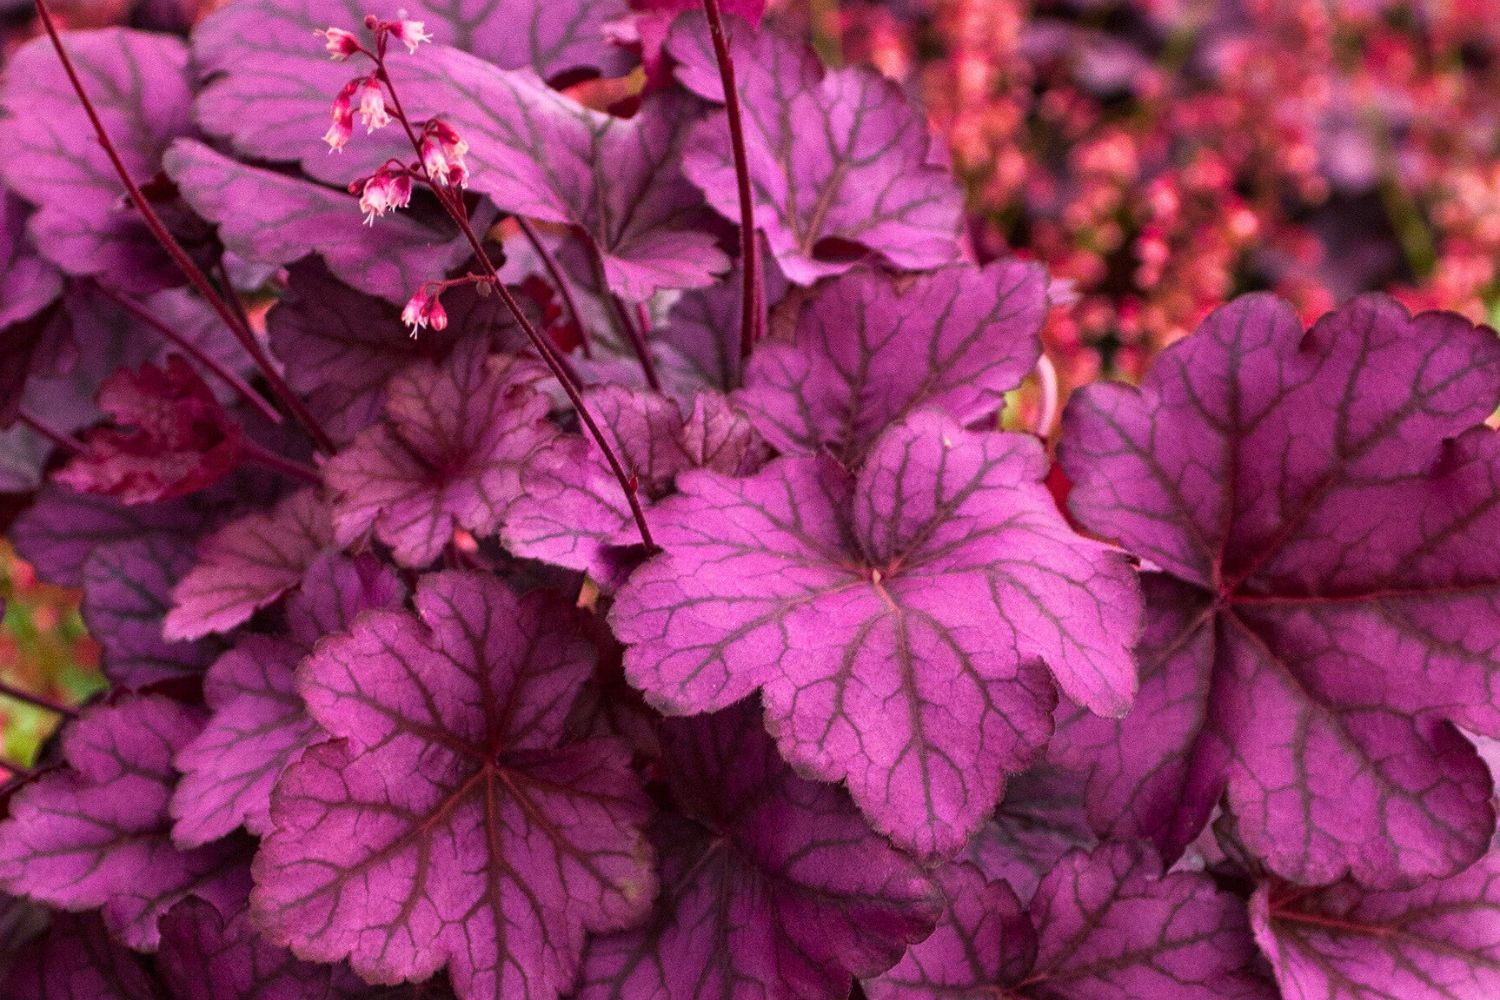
(408, 33)
(443, 152)
(423, 309)
(372, 112)
(384, 191)
(340, 44)
(343, 117)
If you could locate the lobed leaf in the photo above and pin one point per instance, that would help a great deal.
(895, 622)
(498, 846)
(1319, 504)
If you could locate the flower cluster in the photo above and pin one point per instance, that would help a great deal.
(681, 614)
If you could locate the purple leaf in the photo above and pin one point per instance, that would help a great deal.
(700, 342)
(126, 596)
(1039, 821)
(618, 181)
(495, 848)
(62, 528)
(258, 723)
(139, 85)
(869, 352)
(894, 621)
(97, 833)
(1102, 926)
(273, 218)
(27, 281)
(1321, 504)
(773, 886)
(838, 158)
(448, 455)
(171, 437)
(572, 511)
(247, 564)
(271, 81)
(205, 956)
(77, 960)
(1439, 941)
(341, 347)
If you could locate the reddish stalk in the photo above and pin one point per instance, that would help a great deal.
(452, 203)
(190, 270)
(749, 257)
(268, 459)
(563, 288)
(638, 344)
(224, 373)
(37, 700)
(67, 442)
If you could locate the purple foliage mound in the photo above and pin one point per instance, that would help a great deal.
(579, 546)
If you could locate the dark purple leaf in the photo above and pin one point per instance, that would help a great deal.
(139, 84)
(97, 833)
(59, 532)
(258, 723)
(272, 82)
(1102, 926)
(341, 346)
(773, 886)
(1439, 941)
(699, 345)
(448, 455)
(869, 352)
(27, 281)
(247, 564)
(837, 157)
(572, 511)
(205, 956)
(1039, 821)
(171, 437)
(272, 218)
(127, 590)
(895, 622)
(1321, 506)
(497, 848)
(77, 960)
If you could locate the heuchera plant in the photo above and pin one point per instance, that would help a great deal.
(557, 541)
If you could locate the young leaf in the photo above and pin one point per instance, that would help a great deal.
(841, 162)
(273, 218)
(126, 596)
(270, 80)
(139, 85)
(572, 512)
(894, 621)
(448, 455)
(773, 885)
(1106, 925)
(1322, 502)
(1439, 941)
(77, 960)
(258, 723)
(869, 352)
(699, 345)
(171, 437)
(96, 834)
(447, 825)
(247, 564)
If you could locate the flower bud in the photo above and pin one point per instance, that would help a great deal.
(340, 44)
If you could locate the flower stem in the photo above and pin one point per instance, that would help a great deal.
(37, 700)
(179, 256)
(452, 203)
(563, 288)
(638, 344)
(223, 372)
(265, 457)
(67, 442)
(750, 260)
